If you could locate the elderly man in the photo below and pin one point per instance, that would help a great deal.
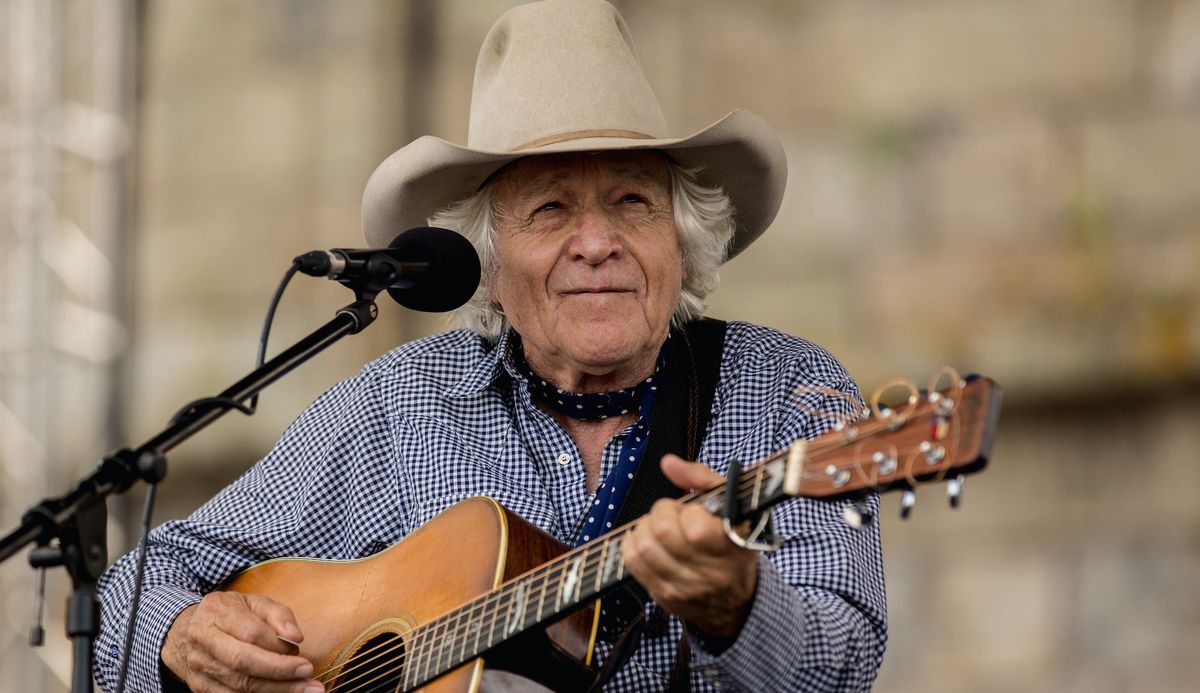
(600, 237)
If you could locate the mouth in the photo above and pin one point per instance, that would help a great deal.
(603, 290)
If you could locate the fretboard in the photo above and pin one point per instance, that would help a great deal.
(575, 578)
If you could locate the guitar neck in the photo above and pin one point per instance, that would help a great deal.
(943, 433)
(575, 578)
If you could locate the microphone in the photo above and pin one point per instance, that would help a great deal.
(427, 269)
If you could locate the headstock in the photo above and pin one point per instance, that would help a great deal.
(942, 433)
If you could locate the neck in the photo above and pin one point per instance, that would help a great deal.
(587, 378)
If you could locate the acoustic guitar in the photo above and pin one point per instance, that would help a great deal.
(478, 586)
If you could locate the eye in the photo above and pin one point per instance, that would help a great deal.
(633, 197)
(548, 206)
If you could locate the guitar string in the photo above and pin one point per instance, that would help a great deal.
(590, 571)
(480, 607)
(559, 564)
(422, 632)
(458, 641)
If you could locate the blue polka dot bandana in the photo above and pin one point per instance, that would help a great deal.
(588, 405)
(611, 492)
(640, 398)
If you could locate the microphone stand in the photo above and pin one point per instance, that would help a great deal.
(77, 520)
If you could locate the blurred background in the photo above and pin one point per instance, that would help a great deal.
(1011, 187)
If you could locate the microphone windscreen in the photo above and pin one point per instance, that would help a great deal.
(453, 273)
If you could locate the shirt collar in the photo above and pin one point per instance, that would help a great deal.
(495, 364)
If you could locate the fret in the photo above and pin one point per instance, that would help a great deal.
(582, 577)
(541, 598)
(410, 646)
(445, 648)
(517, 616)
(758, 479)
(604, 549)
(460, 635)
(428, 647)
(417, 657)
(495, 616)
(570, 576)
(796, 457)
(620, 556)
(433, 661)
(594, 566)
(774, 468)
(610, 561)
(477, 627)
(533, 602)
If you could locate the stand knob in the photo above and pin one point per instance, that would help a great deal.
(37, 633)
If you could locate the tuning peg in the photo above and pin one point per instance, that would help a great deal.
(954, 490)
(907, 501)
(856, 514)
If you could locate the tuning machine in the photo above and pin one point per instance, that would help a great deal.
(857, 514)
(954, 491)
(907, 500)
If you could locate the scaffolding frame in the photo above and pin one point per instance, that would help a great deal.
(67, 117)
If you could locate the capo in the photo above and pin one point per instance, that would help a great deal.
(731, 491)
(754, 541)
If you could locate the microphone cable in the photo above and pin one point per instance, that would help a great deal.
(148, 508)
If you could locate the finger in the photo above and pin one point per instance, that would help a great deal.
(278, 616)
(221, 684)
(649, 560)
(689, 476)
(238, 664)
(665, 527)
(705, 533)
(247, 627)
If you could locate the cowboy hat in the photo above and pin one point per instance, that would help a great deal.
(563, 76)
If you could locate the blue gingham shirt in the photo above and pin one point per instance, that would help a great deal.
(445, 418)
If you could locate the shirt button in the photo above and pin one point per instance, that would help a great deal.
(564, 458)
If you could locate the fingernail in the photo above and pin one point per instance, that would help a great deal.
(304, 670)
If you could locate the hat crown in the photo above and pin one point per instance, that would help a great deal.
(560, 70)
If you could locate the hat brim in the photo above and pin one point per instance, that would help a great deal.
(739, 152)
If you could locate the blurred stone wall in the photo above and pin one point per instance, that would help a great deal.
(1010, 187)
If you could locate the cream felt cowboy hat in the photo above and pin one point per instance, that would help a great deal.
(563, 76)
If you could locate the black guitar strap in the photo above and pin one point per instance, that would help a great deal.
(678, 425)
(679, 422)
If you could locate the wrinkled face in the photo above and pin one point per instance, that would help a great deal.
(588, 262)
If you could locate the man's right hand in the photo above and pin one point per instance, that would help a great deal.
(232, 642)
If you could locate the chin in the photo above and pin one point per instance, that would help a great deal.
(607, 344)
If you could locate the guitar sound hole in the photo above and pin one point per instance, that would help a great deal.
(378, 665)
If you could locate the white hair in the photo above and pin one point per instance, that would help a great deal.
(704, 220)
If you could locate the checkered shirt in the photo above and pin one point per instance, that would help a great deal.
(445, 418)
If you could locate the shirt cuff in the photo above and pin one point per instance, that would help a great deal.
(765, 649)
(158, 610)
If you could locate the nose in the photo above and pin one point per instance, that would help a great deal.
(595, 236)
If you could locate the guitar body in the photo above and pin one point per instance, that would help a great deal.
(365, 606)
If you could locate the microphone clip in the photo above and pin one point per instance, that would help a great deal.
(366, 273)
